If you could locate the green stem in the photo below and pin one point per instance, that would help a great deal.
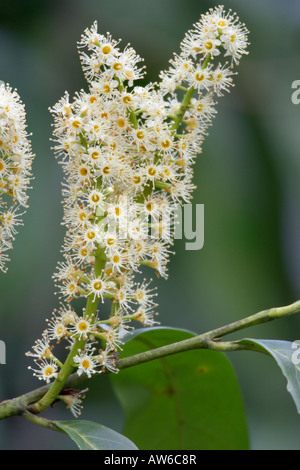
(161, 185)
(60, 381)
(133, 119)
(45, 423)
(187, 99)
(182, 110)
(261, 317)
(209, 340)
(206, 61)
(67, 368)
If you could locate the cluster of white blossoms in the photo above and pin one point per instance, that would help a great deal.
(127, 153)
(15, 168)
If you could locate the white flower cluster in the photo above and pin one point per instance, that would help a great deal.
(15, 168)
(127, 155)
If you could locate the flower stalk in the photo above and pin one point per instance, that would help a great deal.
(15, 168)
(127, 154)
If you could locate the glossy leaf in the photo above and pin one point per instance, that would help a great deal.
(287, 356)
(93, 436)
(186, 401)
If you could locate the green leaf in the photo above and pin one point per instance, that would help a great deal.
(187, 401)
(93, 436)
(287, 356)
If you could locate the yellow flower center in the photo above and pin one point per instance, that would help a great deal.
(98, 285)
(106, 49)
(95, 155)
(95, 198)
(127, 99)
(166, 143)
(83, 171)
(117, 66)
(48, 371)
(140, 134)
(152, 171)
(136, 179)
(208, 45)
(121, 122)
(150, 206)
(59, 330)
(199, 76)
(106, 170)
(82, 326)
(91, 235)
(116, 259)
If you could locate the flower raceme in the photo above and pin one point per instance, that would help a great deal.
(15, 168)
(127, 154)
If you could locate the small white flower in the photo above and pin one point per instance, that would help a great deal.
(47, 370)
(107, 360)
(82, 328)
(15, 167)
(127, 154)
(86, 364)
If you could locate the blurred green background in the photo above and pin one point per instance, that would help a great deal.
(247, 177)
